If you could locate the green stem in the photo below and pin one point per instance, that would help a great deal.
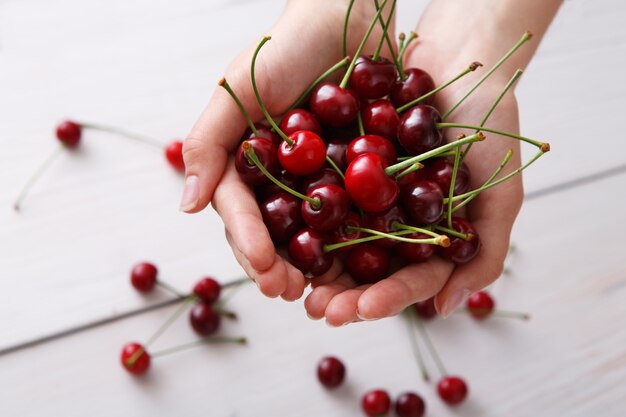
(359, 120)
(335, 167)
(495, 313)
(224, 84)
(415, 167)
(441, 155)
(205, 341)
(397, 225)
(497, 65)
(411, 38)
(181, 308)
(540, 145)
(401, 38)
(452, 232)
(439, 241)
(429, 345)
(328, 72)
(33, 178)
(414, 345)
(334, 246)
(455, 169)
(392, 51)
(385, 34)
(167, 287)
(123, 132)
(345, 29)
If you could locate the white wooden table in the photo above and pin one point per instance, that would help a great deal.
(149, 66)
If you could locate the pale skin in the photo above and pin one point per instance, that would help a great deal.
(452, 35)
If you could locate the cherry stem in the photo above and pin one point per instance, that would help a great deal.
(429, 345)
(335, 167)
(123, 132)
(415, 345)
(394, 57)
(415, 167)
(390, 170)
(181, 308)
(204, 341)
(473, 66)
(497, 65)
(252, 157)
(385, 35)
(455, 170)
(440, 240)
(167, 287)
(345, 29)
(441, 155)
(346, 77)
(545, 147)
(326, 74)
(334, 246)
(398, 225)
(495, 313)
(402, 51)
(226, 313)
(359, 120)
(269, 118)
(495, 103)
(504, 162)
(401, 38)
(235, 285)
(465, 236)
(223, 83)
(33, 178)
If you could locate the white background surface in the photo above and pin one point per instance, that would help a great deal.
(149, 66)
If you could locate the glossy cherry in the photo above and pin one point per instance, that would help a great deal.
(418, 131)
(367, 184)
(174, 155)
(331, 372)
(248, 171)
(409, 180)
(368, 263)
(416, 84)
(336, 150)
(440, 171)
(426, 309)
(143, 277)
(480, 305)
(409, 404)
(461, 251)
(371, 144)
(208, 290)
(334, 106)
(299, 119)
(262, 131)
(372, 78)
(69, 133)
(384, 222)
(415, 252)
(342, 234)
(376, 403)
(333, 209)
(204, 319)
(282, 215)
(423, 201)
(306, 251)
(381, 118)
(452, 390)
(305, 156)
(135, 359)
(325, 176)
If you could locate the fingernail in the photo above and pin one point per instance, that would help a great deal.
(191, 193)
(364, 318)
(454, 302)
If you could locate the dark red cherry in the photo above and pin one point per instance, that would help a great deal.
(424, 202)
(333, 210)
(336, 150)
(409, 404)
(372, 79)
(418, 131)
(324, 176)
(306, 155)
(371, 144)
(306, 251)
(384, 222)
(376, 403)
(143, 276)
(452, 390)
(68, 133)
(282, 215)
(368, 263)
(367, 184)
(426, 309)
(290, 180)
(381, 118)
(440, 171)
(415, 252)
(480, 305)
(331, 372)
(299, 119)
(135, 359)
(334, 106)
(342, 234)
(248, 171)
(409, 180)
(263, 131)
(208, 290)
(204, 319)
(416, 84)
(461, 251)
(174, 155)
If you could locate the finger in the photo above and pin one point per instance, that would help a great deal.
(342, 308)
(317, 301)
(295, 283)
(328, 276)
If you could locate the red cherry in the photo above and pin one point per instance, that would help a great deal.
(424, 202)
(372, 79)
(208, 290)
(461, 251)
(371, 144)
(333, 210)
(264, 132)
(367, 184)
(306, 155)
(174, 155)
(376, 403)
(248, 171)
(135, 359)
(452, 390)
(325, 176)
(68, 133)
(270, 189)
(384, 222)
(204, 319)
(334, 106)
(381, 118)
(299, 119)
(282, 216)
(341, 234)
(409, 180)
(306, 251)
(336, 150)
(426, 309)
(331, 372)
(410, 404)
(480, 305)
(440, 171)
(416, 84)
(143, 277)
(367, 263)
(418, 131)
(416, 252)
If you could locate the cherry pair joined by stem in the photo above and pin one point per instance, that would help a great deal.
(372, 78)
(331, 372)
